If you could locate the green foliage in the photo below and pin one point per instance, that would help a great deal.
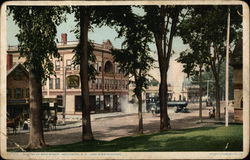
(205, 27)
(205, 30)
(91, 58)
(208, 75)
(195, 139)
(92, 72)
(37, 36)
(134, 59)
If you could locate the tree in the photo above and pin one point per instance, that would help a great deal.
(37, 45)
(208, 75)
(82, 57)
(134, 59)
(87, 16)
(194, 63)
(162, 21)
(209, 24)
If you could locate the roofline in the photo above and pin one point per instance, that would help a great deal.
(15, 66)
(60, 46)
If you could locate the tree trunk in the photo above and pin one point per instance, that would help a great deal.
(164, 119)
(86, 121)
(36, 137)
(217, 96)
(140, 114)
(200, 105)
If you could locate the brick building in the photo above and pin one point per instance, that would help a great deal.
(106, 91)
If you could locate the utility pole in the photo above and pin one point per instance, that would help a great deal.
(227, 67)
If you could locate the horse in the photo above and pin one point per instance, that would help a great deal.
(13, 123)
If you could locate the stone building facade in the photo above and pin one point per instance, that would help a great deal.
(106, 92)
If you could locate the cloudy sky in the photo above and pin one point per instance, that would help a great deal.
(175, 75)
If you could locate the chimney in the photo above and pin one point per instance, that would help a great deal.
(9, 61)
(64, 38)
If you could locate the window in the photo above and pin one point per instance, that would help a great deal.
(115, 84)
(27, 93)
(9, 93)
(97, 83)
(57, 83)
(118, 84)
(51, 83)
(18, 93)
(57, 65)
(108, 68)
(99, 66)
(112, 84)
(68, 64)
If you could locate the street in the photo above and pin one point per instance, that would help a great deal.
(117, 124)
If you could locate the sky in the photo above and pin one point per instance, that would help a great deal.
(175, 75)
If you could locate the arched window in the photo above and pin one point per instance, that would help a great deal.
(108, 68)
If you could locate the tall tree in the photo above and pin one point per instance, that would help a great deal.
(209, 24)
(162, 21)
(82, 57)
(87, 16)
(37, 32)
(194, 60)
(193, 65)
(134, 59)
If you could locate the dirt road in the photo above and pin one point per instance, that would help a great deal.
(109, 128)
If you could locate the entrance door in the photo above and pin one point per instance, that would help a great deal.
(78, 104)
